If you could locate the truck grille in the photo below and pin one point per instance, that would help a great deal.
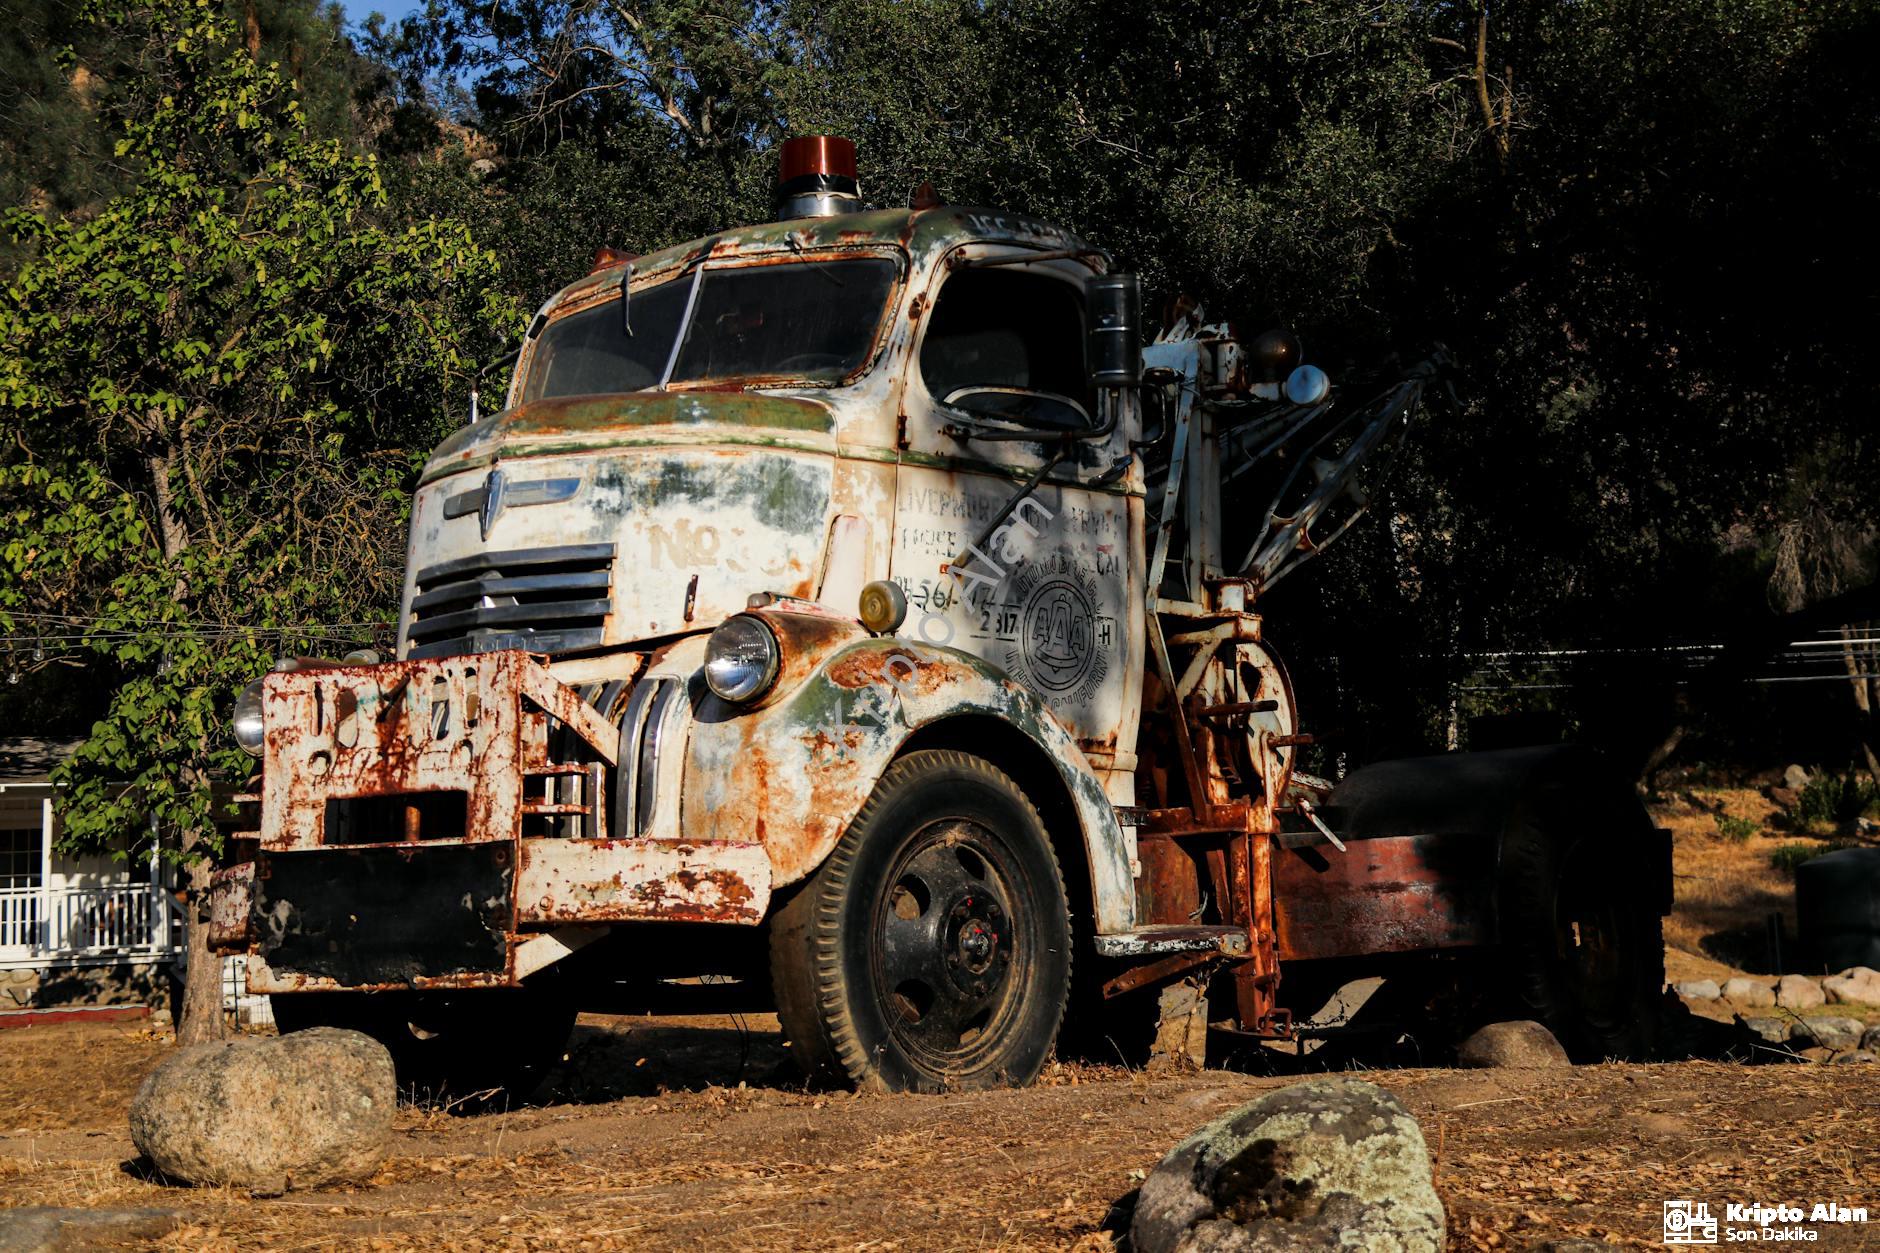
(545, 600)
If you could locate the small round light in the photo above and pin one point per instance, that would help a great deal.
(1307, 385)
(883, 607)
(250, 731)
(1273, 354)
(740, 659)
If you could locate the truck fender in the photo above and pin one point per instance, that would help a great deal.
(792, 773)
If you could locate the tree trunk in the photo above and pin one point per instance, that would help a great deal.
(1860, 661)
(202, 1019)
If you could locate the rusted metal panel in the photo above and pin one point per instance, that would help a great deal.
(561, 881)
(1386, 894)
(231, 900)
(387, 917)
(447, 745)
(450, 725)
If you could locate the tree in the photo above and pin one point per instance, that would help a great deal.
(218, 390)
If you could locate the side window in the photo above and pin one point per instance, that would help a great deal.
(1006, 344)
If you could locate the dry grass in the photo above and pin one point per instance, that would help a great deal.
(1520, 1156)
(689, 1134)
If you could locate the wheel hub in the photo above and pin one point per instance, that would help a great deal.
(976, 942)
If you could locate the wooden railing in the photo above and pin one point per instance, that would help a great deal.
(125, 918)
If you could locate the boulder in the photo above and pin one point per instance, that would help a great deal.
(1749, 993)
(1870, 1038)
(1698, 990)
(1329, 1164)
(1859, 985)
(294, 1111)
(1829, 1033)
(1771, 1031)
(1512, 1044)
(1855, 1057)
(1795, 778)
(1799, 992)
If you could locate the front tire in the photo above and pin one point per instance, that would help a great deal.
(931, 950)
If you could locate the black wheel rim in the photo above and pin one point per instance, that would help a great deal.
(950, 948)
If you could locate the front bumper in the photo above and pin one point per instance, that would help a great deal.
(445, 824)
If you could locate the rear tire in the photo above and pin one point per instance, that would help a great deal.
(472, 1050)
(1582, 942)
(931, 949)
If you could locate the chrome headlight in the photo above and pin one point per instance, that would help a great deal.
(740, 659)
(249, 731)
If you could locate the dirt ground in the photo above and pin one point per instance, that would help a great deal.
(649, 1138)
(693, 1133)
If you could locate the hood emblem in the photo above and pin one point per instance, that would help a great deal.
(498, 493)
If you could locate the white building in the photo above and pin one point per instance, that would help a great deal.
(74, 931)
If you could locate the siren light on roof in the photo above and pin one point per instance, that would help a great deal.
(816, 178)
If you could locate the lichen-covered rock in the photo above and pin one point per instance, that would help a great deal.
(1750, 993)
(1330, 1164)
(1799, 992)
(1827, 1032)
(1870, 1039)
(294, 1111)
(1512, 1044)
(1856, 1057)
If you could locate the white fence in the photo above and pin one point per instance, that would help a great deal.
(247, 1011)
(124, 918)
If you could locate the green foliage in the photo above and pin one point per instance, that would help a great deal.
(1826, 801)
(1735, 828)
(218, 389)
(1788, 856)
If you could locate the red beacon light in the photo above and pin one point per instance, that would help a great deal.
(606, 258)
(816, 178)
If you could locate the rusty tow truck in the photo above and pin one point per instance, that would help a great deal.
(853, 606)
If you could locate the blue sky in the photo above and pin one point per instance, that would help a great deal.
(356, 10)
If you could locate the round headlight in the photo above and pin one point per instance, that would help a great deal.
(249, 731)
(740, 659)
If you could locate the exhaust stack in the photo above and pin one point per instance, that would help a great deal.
(817, 178)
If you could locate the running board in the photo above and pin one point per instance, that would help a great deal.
(1161, 939)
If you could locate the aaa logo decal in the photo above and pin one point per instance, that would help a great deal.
(1057, 635)
(1061, 641)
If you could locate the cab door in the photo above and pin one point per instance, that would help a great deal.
(995, 383)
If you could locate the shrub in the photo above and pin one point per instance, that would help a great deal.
(1789, 856)
(1826, 801)
(1736, 829)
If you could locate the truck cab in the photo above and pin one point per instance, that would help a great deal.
(819, 593)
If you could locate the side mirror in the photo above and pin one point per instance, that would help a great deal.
(1113, 328)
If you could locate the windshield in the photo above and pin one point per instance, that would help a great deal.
(803, 320)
